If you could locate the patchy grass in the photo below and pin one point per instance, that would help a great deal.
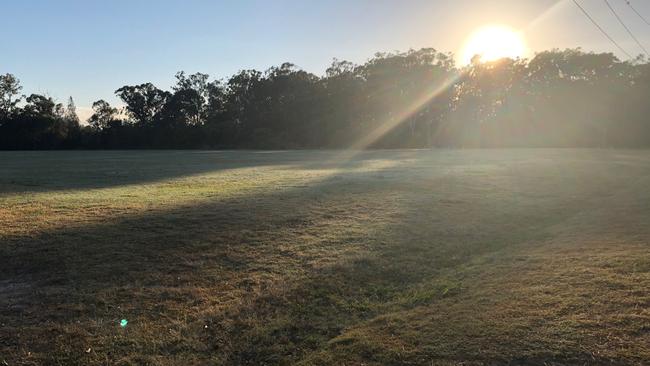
(280, 258)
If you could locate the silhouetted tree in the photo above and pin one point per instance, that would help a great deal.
(42, 106)
(190, 97)
(143, 102)
(103, 115)
(71, 112)
(418, 98)
(9, 91)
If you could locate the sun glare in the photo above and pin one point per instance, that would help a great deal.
(492, 43)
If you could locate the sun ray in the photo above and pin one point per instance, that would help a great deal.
(390, 124)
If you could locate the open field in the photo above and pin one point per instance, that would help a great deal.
(325, 258)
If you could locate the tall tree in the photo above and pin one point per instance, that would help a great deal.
(103, 115)
(143, 102)
(9, 90)
(191, 94)
(71, 112)
(43, 106)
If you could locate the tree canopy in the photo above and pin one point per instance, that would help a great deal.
(419, 98)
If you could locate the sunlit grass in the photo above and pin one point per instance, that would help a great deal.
(394, 257)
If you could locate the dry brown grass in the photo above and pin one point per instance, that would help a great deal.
(399, 258)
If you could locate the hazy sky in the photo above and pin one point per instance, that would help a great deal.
(89, 48)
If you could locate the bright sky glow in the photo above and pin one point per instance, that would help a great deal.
(88, 49)
(493, 43)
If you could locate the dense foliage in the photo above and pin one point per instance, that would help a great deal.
(412, 99)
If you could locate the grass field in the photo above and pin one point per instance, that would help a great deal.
(520, 257)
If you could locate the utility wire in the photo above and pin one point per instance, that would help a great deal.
(637, 12)
(626, 27)
(601, 29)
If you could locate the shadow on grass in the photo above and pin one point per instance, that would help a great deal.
(30, 171)
(267, 279)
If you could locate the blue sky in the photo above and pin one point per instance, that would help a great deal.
(87, 49)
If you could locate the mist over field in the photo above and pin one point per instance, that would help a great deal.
(391, 257)
(482, 203)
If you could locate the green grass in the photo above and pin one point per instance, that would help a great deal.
(477, 257)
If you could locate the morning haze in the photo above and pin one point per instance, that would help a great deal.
(325, 183)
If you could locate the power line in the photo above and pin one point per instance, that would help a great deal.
(601, 29)
(637, 12)
(626, 27)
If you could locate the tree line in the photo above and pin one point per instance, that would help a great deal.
(414, 99)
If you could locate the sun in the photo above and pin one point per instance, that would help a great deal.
(492, 43)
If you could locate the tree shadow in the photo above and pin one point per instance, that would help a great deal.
(263, 279)
(27, 172)
(165, 261)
